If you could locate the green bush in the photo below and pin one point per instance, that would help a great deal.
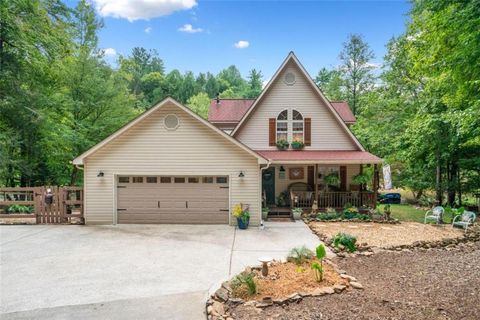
(16, 208)
(299, 255)
(346, 240)
(246, 281)
(329, 214)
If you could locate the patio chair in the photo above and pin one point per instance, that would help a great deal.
(464, 220)
(434, 214)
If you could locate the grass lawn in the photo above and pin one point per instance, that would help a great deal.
(405, 212)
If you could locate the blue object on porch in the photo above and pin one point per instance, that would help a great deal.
(243, 223)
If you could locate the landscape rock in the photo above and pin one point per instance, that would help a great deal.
(218, 309)
(235, 300)
(349, 278)
(356, 285)
(222, 294)
(323, 291)
(339, 288)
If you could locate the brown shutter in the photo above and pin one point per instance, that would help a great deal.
(343, 178)
(308, 131)
(311, 177)
(272, 132)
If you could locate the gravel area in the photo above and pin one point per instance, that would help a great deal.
(431, 284)
(387, 235)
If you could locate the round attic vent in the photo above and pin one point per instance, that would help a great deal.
(289, 78)
(171, 122)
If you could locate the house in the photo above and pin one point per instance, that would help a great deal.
(169, 165)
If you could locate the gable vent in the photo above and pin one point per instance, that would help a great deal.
(171, 122)
(289, 79)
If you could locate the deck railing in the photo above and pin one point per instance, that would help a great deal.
(304, 199)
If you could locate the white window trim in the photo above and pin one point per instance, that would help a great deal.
(290, 123)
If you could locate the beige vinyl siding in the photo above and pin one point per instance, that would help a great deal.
(327, 133)
(282, 184)
(149, 149)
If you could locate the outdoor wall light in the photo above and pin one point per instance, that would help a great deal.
(241, 174)
(282, 169)
(100, 174)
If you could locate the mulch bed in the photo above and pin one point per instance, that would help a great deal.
(285, 279)
(418, 284)
(381, 235)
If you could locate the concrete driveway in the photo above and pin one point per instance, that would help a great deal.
(129, 271)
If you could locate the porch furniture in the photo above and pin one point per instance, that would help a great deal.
(464, 220)
(435, 214)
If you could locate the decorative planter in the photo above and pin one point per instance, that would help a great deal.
(282, 145)
(296, 146)
(243, 223)
(297, 215)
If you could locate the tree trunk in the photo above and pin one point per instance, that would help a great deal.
(459, 188)
(74, 176)
(438, 184)
(452, 181)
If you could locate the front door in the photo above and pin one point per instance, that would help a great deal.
(268, 185)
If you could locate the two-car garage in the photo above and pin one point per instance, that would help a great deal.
(173, 199)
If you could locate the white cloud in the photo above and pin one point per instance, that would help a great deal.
(141, 9)
(109, 52)
(148, 29)
(189, 29)
(242, 44)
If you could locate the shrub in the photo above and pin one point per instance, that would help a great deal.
(16, 208)
(299, 255)
(329, 214)
(282, 144)
(350, 212)
(346, 240)
(246, 281)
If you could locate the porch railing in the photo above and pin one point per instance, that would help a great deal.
(304, 199)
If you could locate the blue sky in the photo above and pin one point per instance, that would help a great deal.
(314, 30)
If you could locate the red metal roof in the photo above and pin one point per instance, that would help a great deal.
(232, 110)
(229, 110)
(343, 109)
(320, 155)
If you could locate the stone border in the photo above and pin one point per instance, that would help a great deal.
(17, 219)
(219, 304)
(364, 249)
(307, 220)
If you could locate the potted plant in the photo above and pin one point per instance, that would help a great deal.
(282, 144)
(297, 213)
(265, 212)
(242, 214)
(331, 179)
(297, 145)
(361, 180)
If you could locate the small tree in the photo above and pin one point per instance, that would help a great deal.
(320, 253)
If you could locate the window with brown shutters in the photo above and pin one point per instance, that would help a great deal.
(308, 132)
(272, 132)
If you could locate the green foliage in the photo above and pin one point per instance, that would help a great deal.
(245, 280)
(331, 179)
(16, 208)
(346, 240)
(330, 214)
(299, 255)
(320, 252)
(318, 271)
(297, 145)
(199, 104)
(282, 144)
(361, 179)
(282, 199)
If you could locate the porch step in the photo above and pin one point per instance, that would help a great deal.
(279, 214)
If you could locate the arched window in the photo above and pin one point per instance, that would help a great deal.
(282, 125)
(297, 126)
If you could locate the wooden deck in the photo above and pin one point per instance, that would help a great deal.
(304, 199)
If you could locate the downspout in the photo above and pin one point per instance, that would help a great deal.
(269, 162)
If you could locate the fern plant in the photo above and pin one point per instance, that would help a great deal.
(247, 281)
(299, 255)
(346, 240)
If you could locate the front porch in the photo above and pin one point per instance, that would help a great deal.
(287, 185)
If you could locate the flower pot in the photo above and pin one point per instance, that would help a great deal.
(297, 215)
(243, 223)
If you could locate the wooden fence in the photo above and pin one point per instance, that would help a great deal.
(51, 204)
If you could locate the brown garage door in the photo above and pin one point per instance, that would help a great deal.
(176, 199)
